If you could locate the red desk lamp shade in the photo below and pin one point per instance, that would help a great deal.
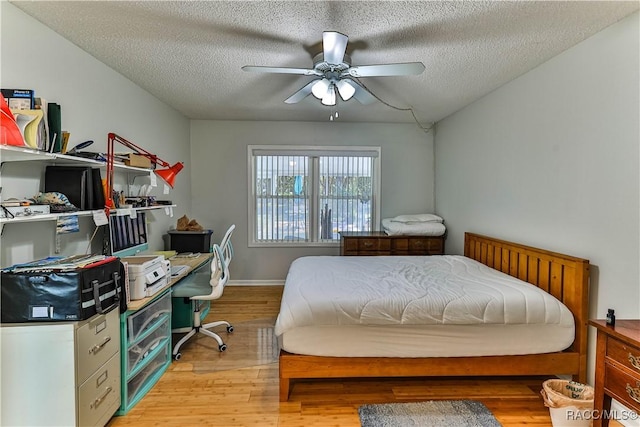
(169, 175)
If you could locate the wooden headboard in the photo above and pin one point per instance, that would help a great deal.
(563, 276)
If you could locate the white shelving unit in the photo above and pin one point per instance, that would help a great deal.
(10, 153)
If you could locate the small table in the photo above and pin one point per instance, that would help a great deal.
(617, 367)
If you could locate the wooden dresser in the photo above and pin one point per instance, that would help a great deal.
(617, 367)
(379, 243)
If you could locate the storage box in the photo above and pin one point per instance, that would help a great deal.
(137, 160)
(22, 211)
(61, 295)
(190, 241)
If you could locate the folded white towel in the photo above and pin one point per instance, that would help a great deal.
(410, 219)
(416, 228)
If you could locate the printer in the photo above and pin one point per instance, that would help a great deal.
(146, 275)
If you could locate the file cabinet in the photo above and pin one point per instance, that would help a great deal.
(146, 348)
(61, 373)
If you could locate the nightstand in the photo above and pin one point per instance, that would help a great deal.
(617, 367)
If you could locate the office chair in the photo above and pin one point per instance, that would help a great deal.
(226, 246)
(204, 286)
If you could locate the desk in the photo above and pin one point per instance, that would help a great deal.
(145, 343)
(617, 367)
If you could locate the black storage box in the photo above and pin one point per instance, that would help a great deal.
(61, 296)
(190, 241)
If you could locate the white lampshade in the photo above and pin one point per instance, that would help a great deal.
(319, 90)
(345, 89)
(330, 97)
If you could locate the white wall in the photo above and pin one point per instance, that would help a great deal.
(219, 158)
(552, 160)
(95, 100)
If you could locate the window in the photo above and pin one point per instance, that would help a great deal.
(308, 195)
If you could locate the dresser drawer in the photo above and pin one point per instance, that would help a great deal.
(139, 351)
(425, 245)
(622, 386)
(146, 318)
(98, 340)
(137, 385)
(373, 245)
(624, 354)
(99, 396)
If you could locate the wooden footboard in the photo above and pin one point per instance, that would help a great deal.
(563, 276)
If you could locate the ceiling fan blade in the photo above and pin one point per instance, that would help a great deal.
(280, 70)
(334, 45)
(384, 70)
(301, 94)
(362, 95)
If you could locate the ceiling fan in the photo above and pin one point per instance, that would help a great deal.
(333, 73)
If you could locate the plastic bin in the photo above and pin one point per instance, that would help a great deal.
(190, 241)
(570, 403)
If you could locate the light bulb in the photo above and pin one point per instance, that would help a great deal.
(319, 90)
(345, 89)
(330, 96)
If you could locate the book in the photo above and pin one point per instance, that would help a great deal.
(65, 141)
(42, 104)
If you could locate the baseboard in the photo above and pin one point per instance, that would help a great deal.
(624, 415)
(255, 283)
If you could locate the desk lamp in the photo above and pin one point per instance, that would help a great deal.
(167, 175)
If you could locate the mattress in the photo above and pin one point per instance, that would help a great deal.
(416, 306)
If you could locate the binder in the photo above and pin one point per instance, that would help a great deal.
(55, 127)
(98, 190)
(75, 182)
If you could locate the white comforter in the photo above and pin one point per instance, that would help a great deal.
(411, 290)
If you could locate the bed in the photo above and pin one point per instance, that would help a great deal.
(388, 347)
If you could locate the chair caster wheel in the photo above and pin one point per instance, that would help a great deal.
(177, 356)
(222, 347)
(229, 329)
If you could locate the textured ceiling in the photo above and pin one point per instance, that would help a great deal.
(190, 53)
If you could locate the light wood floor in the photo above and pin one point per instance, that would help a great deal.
(194, 391)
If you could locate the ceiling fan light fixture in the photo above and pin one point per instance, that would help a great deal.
(320, 89)
(330, 96)
(345, 89)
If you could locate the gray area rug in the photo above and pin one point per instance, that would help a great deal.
(433, 413)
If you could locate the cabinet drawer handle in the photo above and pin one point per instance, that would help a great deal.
(96, 348)
(99, 400)
(635, 361)
(634, 393)
(367, 244)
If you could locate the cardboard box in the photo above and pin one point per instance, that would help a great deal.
(137, 160)
(19, 99)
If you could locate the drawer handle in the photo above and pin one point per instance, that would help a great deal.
(634, 393)
(367, 244)
(98, 401)
(96, 348)
(635, 361)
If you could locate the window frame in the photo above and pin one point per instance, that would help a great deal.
(314, 213)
